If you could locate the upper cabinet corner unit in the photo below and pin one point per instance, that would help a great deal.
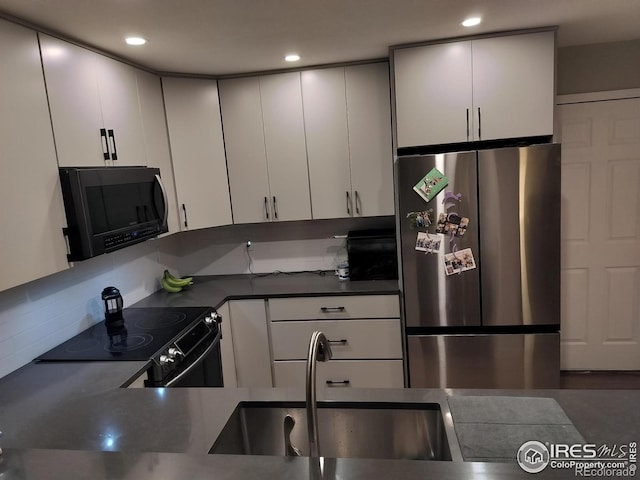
(472, 90)
(94, 106)
(197, 150)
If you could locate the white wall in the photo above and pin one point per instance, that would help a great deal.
(42, 314)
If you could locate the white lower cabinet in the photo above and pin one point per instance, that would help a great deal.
(349, 339)
(342, 373)
(250, 343)
(364, 332)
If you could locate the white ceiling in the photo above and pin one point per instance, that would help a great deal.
(218, 37)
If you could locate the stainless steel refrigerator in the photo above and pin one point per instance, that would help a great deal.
(496, 325)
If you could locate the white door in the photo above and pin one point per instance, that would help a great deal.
(32, 215)
(433, 94)
(197, 150)
(121, 111)
(285, 146)
(601, 235)
(244, 143)
(513, 86)
(325, 120)
(371, 154)
(74, 102)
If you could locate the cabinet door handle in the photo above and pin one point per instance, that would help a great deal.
(105, 144)
(479, 125)
(348, 204)
(114, 154)
(338, 382)
(275, 208)
(266, 208)
(357, 202)
(467, 124)
(342, 341)
(332, 309)
(184, 209)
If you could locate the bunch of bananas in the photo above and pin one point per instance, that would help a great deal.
(174, 284)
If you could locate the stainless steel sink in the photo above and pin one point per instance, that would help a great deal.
(347, 429)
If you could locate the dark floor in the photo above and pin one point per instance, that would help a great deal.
(594, 380)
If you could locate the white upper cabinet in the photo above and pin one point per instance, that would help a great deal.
(266, 149)
(433, 94)
(121, 111)
(348, 127)
(484, 89)
(513, 85)
(285, 145)
(94, 106)
(156, 138)
(370, 151)
(244, 143)
(325, 118)
(197, 149)
(32, 214)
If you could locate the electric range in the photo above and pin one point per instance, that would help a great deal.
(175, 339)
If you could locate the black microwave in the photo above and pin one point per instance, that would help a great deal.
(109, 208)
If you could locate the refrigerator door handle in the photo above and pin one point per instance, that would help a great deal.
(479, 125)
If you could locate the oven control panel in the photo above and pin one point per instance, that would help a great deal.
(186, 350)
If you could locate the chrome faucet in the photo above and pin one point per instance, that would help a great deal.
(319, 350)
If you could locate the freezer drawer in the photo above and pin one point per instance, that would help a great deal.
(484, 361)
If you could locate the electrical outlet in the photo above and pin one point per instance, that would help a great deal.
(248, 244)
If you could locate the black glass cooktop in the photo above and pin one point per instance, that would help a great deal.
(145, 332)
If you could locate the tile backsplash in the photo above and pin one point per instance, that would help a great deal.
(42, 314)
(37, 316)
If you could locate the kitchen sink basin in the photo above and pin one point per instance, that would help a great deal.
(347, 430)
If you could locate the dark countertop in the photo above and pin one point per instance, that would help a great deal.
(66, 419)
(214, 290)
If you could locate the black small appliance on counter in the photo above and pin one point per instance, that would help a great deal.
(372, 254)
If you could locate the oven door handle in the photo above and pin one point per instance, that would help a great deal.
(213, 345)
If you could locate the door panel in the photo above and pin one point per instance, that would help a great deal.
(285, 146)
(325, 119)
(484, 361)
(601, 235)
(244, 145)
(431, 297)
(433, 92)
(519, 203)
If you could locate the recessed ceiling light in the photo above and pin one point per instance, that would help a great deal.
(135, 41)
(293, 57)
(472, 22)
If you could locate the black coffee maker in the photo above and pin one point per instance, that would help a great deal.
(113, 318)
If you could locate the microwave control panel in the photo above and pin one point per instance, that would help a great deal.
(115, 241)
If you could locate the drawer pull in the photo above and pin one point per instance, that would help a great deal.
(342, 341)
(338, 382)
(332, 309)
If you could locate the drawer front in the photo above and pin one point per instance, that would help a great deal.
(350, 339)
(344, 306)
(342, 374)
